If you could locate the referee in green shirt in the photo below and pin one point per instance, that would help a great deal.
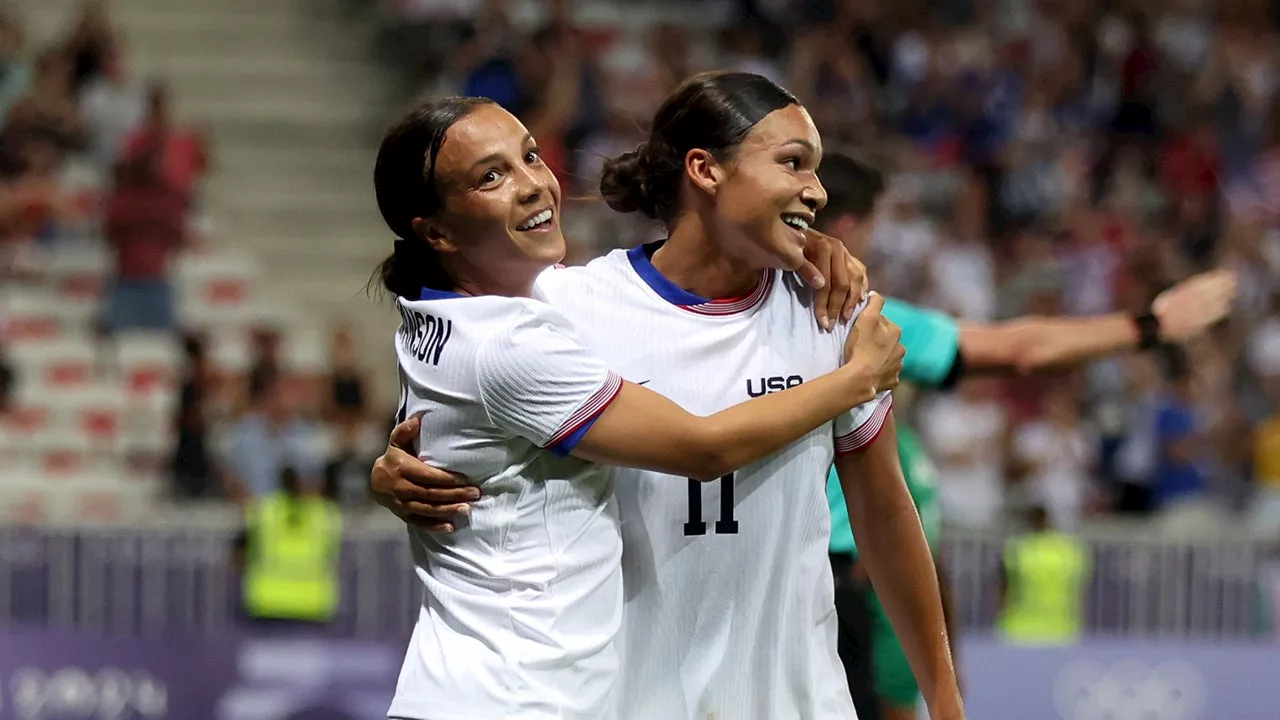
(940, 351)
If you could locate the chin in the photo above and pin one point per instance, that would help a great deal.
(788, 255)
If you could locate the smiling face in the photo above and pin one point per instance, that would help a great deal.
(501, 203)
(767, 192)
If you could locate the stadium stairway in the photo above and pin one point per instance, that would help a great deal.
(291, 103)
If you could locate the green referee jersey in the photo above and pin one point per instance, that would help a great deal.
(932, 340)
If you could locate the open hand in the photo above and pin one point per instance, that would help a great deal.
(421, 495)
(838, 279)
(1194, 305)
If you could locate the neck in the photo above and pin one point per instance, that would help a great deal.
(472, 279)
(692, 259)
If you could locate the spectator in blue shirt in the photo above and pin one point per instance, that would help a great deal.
(1178, 475)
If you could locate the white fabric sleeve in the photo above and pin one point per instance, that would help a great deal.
(859, 427)
(537, 381)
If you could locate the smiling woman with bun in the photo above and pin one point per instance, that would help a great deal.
(523, 601)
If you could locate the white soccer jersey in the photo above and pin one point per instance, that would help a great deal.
(523, 601)
(729, 612)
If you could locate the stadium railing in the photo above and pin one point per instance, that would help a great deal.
(177, 576)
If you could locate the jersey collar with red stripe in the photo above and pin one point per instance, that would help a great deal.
(641, 260)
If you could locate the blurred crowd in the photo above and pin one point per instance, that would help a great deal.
(91, 154)
(1046, 157)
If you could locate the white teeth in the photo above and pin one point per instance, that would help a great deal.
(796, 221)
(538, 219)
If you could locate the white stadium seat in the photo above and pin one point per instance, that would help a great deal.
(148, 361)
(45, 365)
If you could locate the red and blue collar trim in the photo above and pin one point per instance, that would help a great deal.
(641, 261)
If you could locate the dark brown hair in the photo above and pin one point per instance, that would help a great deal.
(404, 181)
(713, 111)
(852, 185)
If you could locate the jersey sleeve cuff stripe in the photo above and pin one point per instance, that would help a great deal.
(588, 411)
(868, 431)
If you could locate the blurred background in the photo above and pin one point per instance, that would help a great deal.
(190, 365)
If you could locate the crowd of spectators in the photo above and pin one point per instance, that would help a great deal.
(1046, 156)
(71, 109)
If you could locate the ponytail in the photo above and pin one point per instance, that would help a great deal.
(412, 266)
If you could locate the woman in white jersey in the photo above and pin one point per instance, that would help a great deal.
(523, 602)
(734, 618)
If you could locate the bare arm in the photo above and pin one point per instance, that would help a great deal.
(644, 429)
(641, 428)
(948, 606)
(1035, 343)
(893, 547)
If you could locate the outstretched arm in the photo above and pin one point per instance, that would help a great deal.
(1035, 343)
(893, 548)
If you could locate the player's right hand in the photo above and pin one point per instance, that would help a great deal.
(874, 345)
(1195, 304)
(421, 495)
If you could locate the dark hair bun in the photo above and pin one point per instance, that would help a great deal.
(624, 182)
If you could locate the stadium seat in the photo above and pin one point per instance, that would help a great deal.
(148, 361)
(95, 412)
(40, 314)
(55, 363)
(80, 270)
(208, 283)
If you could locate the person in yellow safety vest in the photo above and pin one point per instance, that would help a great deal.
(1043, 584)
(292, 547)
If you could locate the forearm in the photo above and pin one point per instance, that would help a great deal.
(760, 427)
(1034, 343)
(646, 430)
(893, 547)
(948, 606)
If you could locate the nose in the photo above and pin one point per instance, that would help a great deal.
(532, 185)
(814, 196)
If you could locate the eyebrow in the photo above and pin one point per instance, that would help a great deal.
(802, 143)
(491, 157)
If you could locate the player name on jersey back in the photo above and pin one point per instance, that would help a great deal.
(522, 603)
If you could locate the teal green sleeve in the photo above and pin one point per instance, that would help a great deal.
(932, 340)
(922, 482)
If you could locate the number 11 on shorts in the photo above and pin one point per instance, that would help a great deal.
(726, 525)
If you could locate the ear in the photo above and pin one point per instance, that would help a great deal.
(436, 235)
(704, 170)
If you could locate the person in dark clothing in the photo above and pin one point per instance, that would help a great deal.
(191, 464)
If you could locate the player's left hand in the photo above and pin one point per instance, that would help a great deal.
(1194, 305)
(421, 495)
(839, 279)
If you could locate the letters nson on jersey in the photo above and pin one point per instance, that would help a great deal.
(729, 599)
(523, 600)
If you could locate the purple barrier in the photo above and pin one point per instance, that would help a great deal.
(79, 677)
(64, 677)
(1122, 680)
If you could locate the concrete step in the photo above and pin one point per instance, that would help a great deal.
(320, 112)
(327, 229)
(260, 46)
(351, 157)
(278, 195)
(249, 185)
(269, 90)
(284, 134)
(303, 67)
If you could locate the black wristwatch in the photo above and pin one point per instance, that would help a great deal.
(1148, 330)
